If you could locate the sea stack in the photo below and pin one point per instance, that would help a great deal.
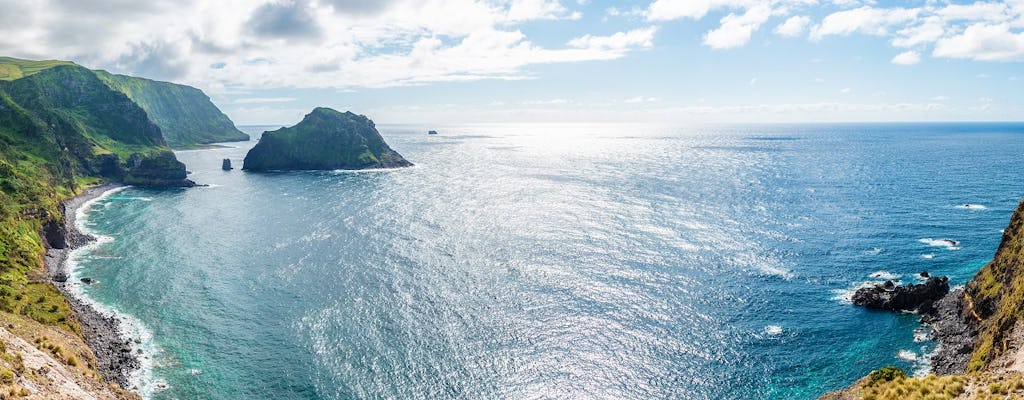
(431, 132)
(324, 140)
(226, 165)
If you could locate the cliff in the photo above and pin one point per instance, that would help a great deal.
(185, 115)
(324, 140)
(62, 129)
(980, 335)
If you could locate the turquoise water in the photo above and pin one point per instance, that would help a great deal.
(567, 261)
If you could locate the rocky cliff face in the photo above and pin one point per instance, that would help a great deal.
(184, 114)
(325, 140)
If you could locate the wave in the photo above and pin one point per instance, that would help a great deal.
(971, 207)
(907, 355)
(928, 256)
(773, 330)
(886, 275)
(949, 244)
(139, 337)
(874, 251)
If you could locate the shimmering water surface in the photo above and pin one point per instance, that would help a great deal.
(529, 261)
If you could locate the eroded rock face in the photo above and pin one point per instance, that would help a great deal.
(910, 297)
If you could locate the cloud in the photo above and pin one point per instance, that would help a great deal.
(336, 44)
(793, 27)
(866, 20)
(907, 58)
(292, 19)
(983, 42)
(640, 99)
(735, 30)
(619, 41)
(264, 100)
(359, 7)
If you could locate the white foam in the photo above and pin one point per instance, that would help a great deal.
(873, 251)
(971, 207)
(140, 338)
(928, 256)
(886, 275)
(922, 334)
(907, 355)
(773, 330)
(846, 295)
(949, 244)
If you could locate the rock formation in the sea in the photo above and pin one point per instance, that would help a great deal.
(185, 115)
(431, 132)
(226, 164)
(892, 297)
(325, 140)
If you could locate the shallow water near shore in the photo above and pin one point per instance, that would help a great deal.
(565, 261)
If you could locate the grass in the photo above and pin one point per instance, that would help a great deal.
(902, 387)
(13, 68)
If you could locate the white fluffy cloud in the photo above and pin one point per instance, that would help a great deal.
(907, 58)
(736, 29)
(229, 45)
(793, 27)
(619, 41)
(866, 20)
(983, 42)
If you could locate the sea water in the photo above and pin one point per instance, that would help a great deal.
(553, 261)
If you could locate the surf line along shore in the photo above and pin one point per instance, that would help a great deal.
(102, 331)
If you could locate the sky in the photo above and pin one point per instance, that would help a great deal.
(502, 61)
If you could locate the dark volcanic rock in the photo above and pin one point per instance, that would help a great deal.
(950, 321)
(226, 165)
(911, 297)
(159, 170)
(325, 140)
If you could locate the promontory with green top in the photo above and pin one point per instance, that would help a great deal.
(325, 140)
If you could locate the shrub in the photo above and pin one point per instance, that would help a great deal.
(885, 374)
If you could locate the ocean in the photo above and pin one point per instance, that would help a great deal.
(552, 261)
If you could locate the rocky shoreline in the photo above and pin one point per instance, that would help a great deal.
(101, 332)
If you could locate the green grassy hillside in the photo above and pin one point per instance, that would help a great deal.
(13, 68)
(61, 130)
(185, 114)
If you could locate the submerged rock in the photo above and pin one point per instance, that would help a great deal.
(910, 297)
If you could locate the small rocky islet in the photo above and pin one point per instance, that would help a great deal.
(324, 140)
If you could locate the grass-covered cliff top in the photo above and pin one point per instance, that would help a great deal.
(13, 68)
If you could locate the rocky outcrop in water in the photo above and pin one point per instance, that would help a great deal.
(160, 170)
(910, 297)
(226, 164)
(325, 140)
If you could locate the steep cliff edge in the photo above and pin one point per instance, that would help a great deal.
(324, 140)
(980, 335)
(185, 114)
(61, 130)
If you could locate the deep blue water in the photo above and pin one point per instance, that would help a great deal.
(530, 261)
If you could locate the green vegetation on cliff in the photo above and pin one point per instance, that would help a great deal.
(325, 140)
(61, 130)
(996, 295)
(184, 114)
